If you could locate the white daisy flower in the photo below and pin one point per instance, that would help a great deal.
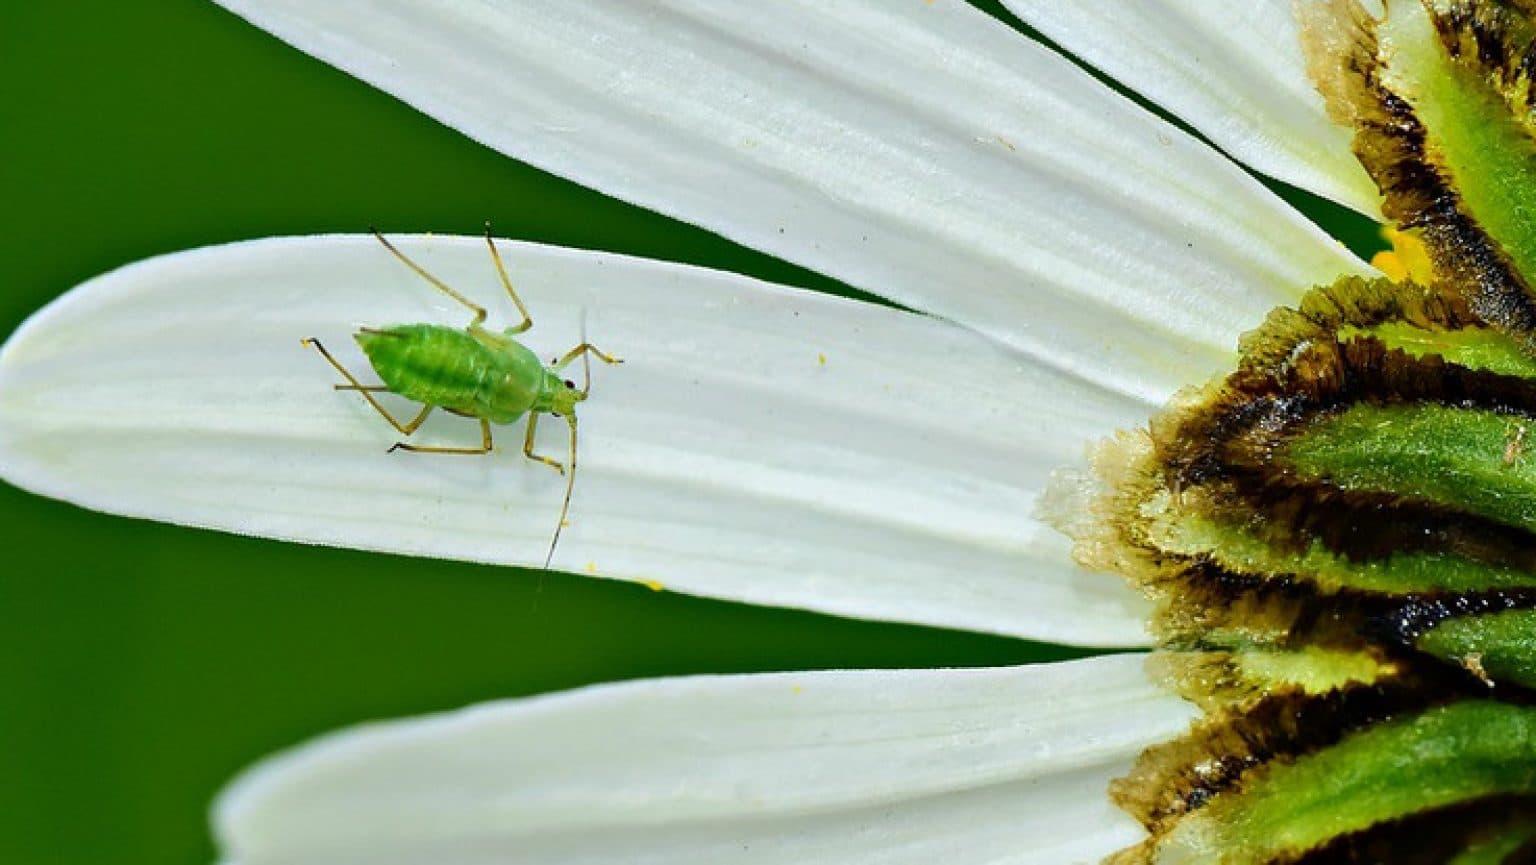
(1069, 260)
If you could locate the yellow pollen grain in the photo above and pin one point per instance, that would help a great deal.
(821, 360)
(653, 585)
(1473, 664)
(1406, 260)
(591, 567)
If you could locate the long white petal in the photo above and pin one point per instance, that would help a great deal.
(955, 766)
(759, 443)
(1233, 71)
(917, 149)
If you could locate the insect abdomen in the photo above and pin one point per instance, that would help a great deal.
(432, 364)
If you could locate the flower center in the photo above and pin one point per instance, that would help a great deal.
(1341, 534)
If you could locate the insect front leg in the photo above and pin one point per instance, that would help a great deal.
(582, 351)
(484, 448)
(367, 390)
(533, 423)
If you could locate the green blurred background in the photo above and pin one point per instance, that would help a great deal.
(142, 664)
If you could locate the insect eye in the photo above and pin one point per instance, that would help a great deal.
(570, 384)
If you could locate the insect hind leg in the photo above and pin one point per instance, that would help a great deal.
(368, 390)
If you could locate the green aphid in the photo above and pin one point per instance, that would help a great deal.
(473, 372)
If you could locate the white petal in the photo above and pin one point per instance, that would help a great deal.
(920, 150)
(955, 766)
(759, 443)
(1233, 71)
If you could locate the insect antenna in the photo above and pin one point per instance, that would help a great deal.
(565, 506)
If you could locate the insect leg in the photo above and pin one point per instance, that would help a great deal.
(478, 310)
(533, 422)
(582, 351)
(367, 391)
(371, 388)
(501, 271)
(484, 448)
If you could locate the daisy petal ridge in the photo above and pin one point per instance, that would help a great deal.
(1235, 72)
(759, 443)
(1001, 765)
(919, 150)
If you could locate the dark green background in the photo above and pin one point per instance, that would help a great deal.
(142, 664)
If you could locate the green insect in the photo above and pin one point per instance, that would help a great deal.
(473, 372)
